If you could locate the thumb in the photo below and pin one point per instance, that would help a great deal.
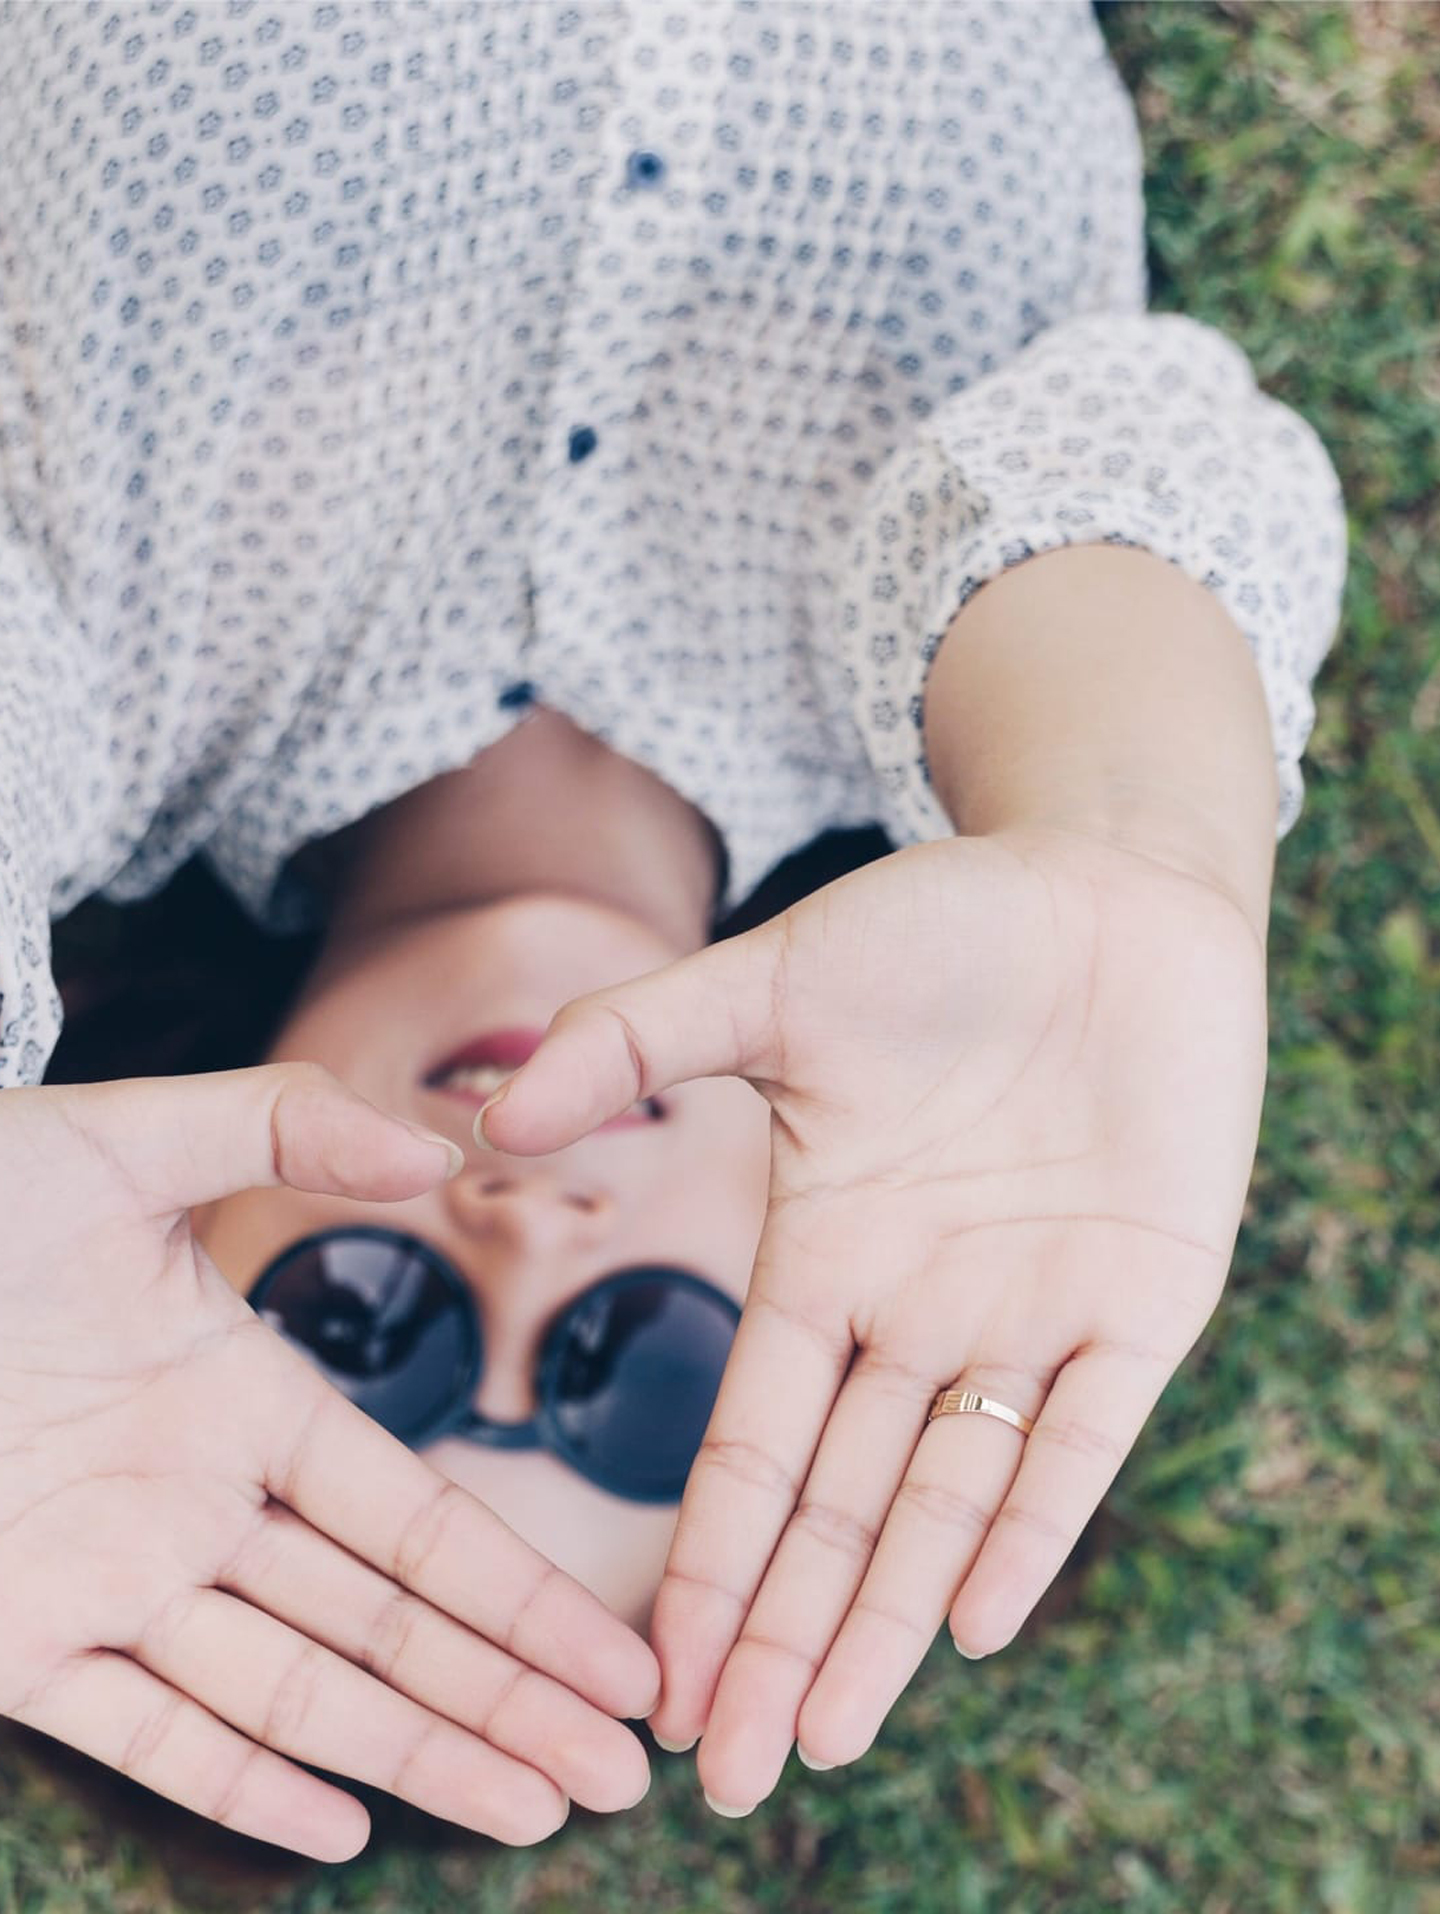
(715, 1013)
(182, 1141)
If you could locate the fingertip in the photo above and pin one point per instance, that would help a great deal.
(832, 1733)
(479, 1124)
(649, 1684)
(344, 1834)
(729, 1813)
(530, 1837)
(644, 1787)
(454, 1155)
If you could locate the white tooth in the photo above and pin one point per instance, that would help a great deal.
(476, 1077)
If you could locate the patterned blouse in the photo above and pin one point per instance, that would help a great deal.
(372, 372)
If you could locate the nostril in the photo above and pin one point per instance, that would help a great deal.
(494, 1186)
(586, 1203)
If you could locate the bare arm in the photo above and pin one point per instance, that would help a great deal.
(1101, 690)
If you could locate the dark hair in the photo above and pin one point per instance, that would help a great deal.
(187, 981)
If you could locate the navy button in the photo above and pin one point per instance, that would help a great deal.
(644, 169)
(515, 695)
(582, 443)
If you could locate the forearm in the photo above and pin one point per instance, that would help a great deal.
(1099, 689)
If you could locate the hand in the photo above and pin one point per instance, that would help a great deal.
(204, 1547)
(1015, 1087)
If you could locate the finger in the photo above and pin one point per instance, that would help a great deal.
(715, 1013)
(784, 1369)
(182, 1141)
(354, 1482)
(112, 1709)
(289, 1693)
(941, 1514)
(812, 1579)
(296, 1575)
(1092, 1417)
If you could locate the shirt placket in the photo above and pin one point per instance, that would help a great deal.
(628, 274)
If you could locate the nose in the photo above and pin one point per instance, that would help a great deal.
(535, 1216)
(531, 1233)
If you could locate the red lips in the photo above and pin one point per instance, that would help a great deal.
(507, 1050)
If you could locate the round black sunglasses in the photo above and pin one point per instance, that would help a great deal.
(625, 1380)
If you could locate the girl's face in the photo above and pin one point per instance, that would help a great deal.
(526, 1233)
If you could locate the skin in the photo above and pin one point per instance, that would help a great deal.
(1015, 1078)
(591, 871)
(1021, 1173)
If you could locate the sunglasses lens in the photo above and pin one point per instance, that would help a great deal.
(631, 1375)
(379, 1316)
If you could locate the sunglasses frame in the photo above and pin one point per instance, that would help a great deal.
(459, 1417)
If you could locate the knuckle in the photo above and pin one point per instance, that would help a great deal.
(405, 1779)
(837, 1343)
(424, 1532)
(944, 1506)
(755, 1638)
(904, 1624)
(1032, 1522)
(891, 1376)
(286, 1483)
(300, 1074)
(1081, 1439)
(510, 1691)
(746, 1463)
(292, 1698)
(154, 1639)
(387, 1638)
(221, 1802)
(634, 1048)
(138, 1756)
(1023, 1386)
(695, 1583)
(527, 1628)
(257, 1554)
(290, 1085)
(835, 1529)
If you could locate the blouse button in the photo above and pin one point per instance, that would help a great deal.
(644, 169)
(582, 443)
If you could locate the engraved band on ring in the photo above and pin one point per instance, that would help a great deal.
(963, 1402)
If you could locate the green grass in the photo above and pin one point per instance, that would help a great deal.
(1240, 1708)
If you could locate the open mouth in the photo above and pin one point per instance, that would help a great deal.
(475, 1071)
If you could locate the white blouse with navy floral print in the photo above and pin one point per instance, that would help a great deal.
(370, 372)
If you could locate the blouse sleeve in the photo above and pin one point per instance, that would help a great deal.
(1124, 429)
(47, 767)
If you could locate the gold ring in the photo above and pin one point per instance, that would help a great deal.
(964, 1402)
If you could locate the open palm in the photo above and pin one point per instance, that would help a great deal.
(212, 1566)
(1015, 1086)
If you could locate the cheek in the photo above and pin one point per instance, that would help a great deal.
(241, 1233)
(614, 1548)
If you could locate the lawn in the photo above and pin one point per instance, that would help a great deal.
(1233, 1706)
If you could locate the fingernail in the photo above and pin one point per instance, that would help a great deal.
(819, 1767)
(730, 1814)
(489, 1104)
(452, 1149)
(966, 1652)
(673, 1747)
